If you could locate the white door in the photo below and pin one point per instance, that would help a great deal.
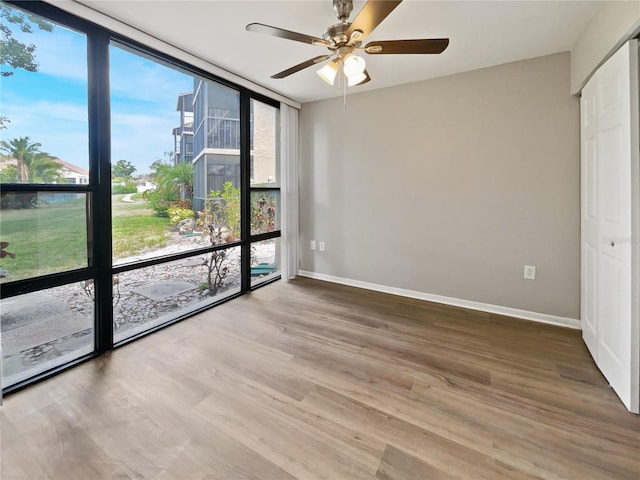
(589, 254)
(609, 221)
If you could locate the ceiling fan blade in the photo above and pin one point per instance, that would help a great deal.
(431, 45)
(282, 33)
(300, 66)
(371, 15)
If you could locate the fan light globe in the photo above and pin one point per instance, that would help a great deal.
(353, 66)
(328, 72)
(356, 79)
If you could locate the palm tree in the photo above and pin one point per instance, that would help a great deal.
(175, 179)
(28, 157)
(45, 169)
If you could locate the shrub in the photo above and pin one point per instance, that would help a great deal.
(177, 214)
(263, 214)
(160, 201)
(223, 209)
(172, 181)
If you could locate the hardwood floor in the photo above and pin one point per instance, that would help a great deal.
(309, 380)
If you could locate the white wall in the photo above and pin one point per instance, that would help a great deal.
(612, 25)
(450, 186)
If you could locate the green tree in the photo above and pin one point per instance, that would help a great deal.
(9, 174)
(45, 169)
(123, 169)
(175, 177)
(13, 53)
(22, 151)
(32, 165)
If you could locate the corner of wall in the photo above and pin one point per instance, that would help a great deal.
(612, 25)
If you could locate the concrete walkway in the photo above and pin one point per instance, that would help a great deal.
(36, 319)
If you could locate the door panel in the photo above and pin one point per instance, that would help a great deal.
(590, 172)
(609, 182)
(589, 225)
(589, 324)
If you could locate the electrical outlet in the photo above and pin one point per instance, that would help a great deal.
(529, 272)
(322, 246)
(312, 244)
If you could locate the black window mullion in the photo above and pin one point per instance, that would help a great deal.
(245, 190)
(265, 236)
(44, 187)
(100, 179)
(42, 282)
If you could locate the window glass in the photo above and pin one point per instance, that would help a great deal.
(44, 329)
(265, 211)
(175, 159)
(151, 296)
(44, 119)
(42, 233)
(265, 145)
(265, 260)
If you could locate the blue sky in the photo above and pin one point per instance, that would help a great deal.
(50, 106)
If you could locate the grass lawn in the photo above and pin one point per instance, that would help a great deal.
(53, 237)
(135, 228)
(132, 234)
(47, 239)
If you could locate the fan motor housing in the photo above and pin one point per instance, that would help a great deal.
(343, 9)
(337, 34)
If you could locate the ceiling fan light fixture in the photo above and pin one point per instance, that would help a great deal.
(346, 37)
(328, 72)
(354, 80)
(353, 66)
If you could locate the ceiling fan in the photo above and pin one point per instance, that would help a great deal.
(345, 38)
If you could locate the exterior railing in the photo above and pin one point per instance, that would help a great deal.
(218, 132)
(223, 133)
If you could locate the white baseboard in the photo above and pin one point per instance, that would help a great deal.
(456, 302)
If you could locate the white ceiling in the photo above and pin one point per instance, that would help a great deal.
(482, 34)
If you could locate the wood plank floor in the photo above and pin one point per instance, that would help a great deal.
(307, 380)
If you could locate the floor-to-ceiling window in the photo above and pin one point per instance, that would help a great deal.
(46, 318)
(107, 231)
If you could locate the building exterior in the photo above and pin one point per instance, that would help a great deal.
(183, 135)
(72, 173)
(214, 138)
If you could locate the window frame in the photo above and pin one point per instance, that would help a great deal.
(100, 267)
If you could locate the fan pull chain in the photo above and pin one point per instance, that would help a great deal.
(342, 84)
(344, 96)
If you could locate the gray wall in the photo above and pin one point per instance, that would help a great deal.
(450, 186)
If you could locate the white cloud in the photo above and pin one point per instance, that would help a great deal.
(61, 52)
(141, 138)
(139, 79)
(63, 57)
(61, 129)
